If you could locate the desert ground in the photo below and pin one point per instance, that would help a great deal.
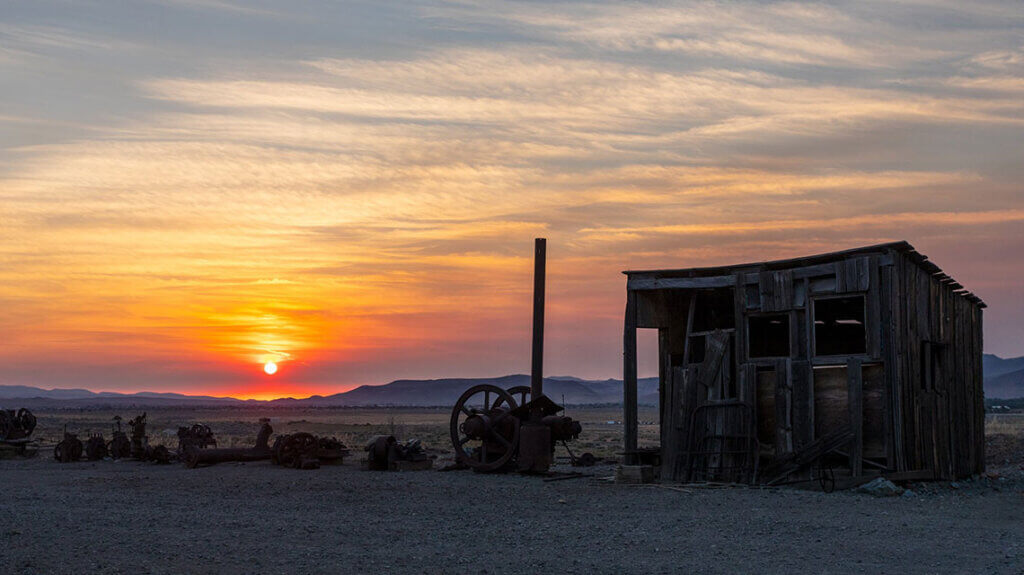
(132, 517)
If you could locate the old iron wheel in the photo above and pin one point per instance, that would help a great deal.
(58, 452)
(294, 447)
(523, 391)
(509, 441)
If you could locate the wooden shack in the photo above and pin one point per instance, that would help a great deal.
(854, 363)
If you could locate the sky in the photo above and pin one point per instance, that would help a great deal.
(191, 188)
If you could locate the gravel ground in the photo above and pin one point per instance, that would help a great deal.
(129, 517)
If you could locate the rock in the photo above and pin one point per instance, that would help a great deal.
(909, 493)
(881, 487)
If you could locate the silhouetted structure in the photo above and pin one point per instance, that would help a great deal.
(867, 360)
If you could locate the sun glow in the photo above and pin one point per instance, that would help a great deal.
(270, 368)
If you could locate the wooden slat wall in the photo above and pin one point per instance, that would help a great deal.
(935, 379)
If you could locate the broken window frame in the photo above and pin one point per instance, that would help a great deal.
(787, 317)
(812, 313)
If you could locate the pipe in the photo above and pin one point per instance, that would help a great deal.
(194, 456)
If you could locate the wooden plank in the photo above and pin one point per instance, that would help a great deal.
(803, 403)
(783, 408)
(791, 463)
(856, 406)
(873, 322)
(714, 356)
(689, 327)
(852, 275)
(629, 399)
(637, 283)
(776, 289)
(740, 336)
(666, 397)
(690, 400)
(886, 328)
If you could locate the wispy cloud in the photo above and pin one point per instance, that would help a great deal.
(372, 211)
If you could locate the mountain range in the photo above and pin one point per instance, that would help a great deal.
(403, 392)
(1004, 379)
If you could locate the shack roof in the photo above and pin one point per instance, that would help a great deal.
(826, 258)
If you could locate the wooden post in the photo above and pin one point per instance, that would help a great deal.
(629, 396)
(855, 391)
(537, 371)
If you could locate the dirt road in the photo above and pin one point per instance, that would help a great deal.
(128, 517)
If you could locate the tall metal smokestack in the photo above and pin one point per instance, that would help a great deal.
(539, 264)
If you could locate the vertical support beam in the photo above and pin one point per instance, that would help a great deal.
(690, 310)
(629, 379)
(537, 371)
(855, 390)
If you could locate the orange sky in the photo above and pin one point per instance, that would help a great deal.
(354, 196)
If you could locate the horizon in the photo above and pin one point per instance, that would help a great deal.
(193, 190)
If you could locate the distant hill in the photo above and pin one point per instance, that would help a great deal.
(1004, 378)
(995, 366)
(434, 392)
(404, 392)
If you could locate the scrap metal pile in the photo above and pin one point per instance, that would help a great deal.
(307, 451)
(196, 445)
(70, 449)
(385, 453)
(295, 450)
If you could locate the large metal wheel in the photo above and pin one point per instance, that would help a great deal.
(523, 391)
(484, 433)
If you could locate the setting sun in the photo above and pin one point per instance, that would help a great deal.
(270, 368)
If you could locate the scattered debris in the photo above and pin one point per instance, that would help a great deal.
(385, 453)
(564, 476)
(307, 451)
(880, 487)
(634, 474)
(69, 449)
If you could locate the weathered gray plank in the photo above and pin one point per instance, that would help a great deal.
(856, 406)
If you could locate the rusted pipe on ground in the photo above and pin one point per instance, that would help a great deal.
(195, 457)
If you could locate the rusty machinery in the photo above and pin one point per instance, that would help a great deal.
(490, 431)
(195, 457)
(69, 449)
(139, 446)
(120, 446)
(16, 425)
(96, 447)
(385, 453)
(306, 451)
(196, 436)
